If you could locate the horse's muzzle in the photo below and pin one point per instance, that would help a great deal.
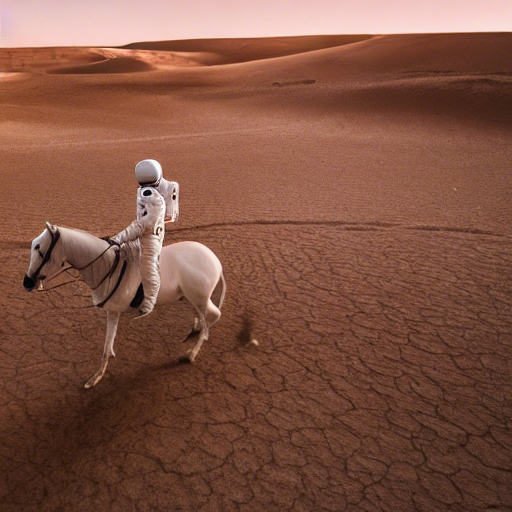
(28, 283)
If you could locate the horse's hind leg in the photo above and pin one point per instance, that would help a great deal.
(212, 313)
(112, 321)
(216, 315)
(207, 318)
(195, 329)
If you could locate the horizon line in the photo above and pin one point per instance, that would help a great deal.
(257, 38)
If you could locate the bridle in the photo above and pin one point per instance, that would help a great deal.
(46, 257)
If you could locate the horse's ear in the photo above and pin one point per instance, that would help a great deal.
(50, 227)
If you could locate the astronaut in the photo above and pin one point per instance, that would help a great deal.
(149, 173)
(149, 229)
(157, 203)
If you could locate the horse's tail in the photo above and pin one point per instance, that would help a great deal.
(223, 291)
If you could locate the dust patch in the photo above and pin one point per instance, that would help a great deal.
(245, 335)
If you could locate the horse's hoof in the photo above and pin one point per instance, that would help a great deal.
(184, 360)
(92, 381)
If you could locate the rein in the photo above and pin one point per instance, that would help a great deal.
(110, 272)
(121, 274)
(95, 260)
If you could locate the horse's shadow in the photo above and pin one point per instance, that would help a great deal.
(113, 412)
(128, 399)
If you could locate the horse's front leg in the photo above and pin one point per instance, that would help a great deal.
(112, 321)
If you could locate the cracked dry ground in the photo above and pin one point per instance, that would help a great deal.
(382, 382)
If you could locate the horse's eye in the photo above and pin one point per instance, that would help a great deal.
(36, 248)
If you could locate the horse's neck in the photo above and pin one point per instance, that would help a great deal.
(81, 249)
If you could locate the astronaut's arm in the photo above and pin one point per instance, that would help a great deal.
(145, 224)
(132, 232)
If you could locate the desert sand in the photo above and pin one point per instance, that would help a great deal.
(357, 190)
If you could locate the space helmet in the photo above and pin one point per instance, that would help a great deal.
(148, 172)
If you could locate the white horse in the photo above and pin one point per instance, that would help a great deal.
(187, 269)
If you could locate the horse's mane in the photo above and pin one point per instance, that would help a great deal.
(77, 230)
(82, 239)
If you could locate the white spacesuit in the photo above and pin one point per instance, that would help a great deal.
(149, 228)
(149, 173)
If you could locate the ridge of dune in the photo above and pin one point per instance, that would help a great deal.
(235, 50)
(55, 59)
(436, 53)
(109, 65)
(42, 59)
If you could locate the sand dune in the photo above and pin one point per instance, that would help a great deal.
(478, 57)
(427, 53)
(203, 52)
(413, 54)
(468, 75)
(357, 191)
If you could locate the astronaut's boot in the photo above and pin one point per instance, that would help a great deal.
(146, 306)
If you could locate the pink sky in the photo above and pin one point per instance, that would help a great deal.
(118, 22)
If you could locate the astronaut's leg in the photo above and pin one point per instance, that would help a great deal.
(150, 247)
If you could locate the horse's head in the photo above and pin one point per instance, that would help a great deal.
(45, 260)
